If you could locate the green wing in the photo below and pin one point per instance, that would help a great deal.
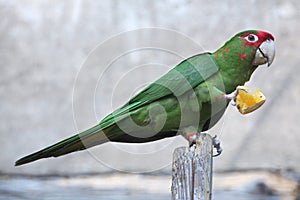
(182, 78)
(185, 76)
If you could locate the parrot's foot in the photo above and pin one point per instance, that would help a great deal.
(232, 95)
(192, 137)
(217, 146)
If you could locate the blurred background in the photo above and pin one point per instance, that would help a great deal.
(45, 48)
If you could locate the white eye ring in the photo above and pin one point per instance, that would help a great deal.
(252, 38)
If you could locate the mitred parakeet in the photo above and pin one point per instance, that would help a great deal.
(191, 97)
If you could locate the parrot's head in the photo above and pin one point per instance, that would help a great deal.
(249, 48)
(262, 43)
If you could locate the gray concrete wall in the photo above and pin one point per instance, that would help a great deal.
(44, 45)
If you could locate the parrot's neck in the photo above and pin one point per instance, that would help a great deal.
(235, 68)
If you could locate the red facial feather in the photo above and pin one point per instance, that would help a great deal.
(243, 56)
(262, 36)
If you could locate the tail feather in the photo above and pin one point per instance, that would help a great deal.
(81, 141)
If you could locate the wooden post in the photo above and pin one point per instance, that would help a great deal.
(192, 171)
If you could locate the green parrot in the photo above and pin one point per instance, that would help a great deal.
(190, 98)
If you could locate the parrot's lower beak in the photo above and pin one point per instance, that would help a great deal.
(265, 53)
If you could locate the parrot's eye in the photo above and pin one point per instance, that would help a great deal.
(251, 38)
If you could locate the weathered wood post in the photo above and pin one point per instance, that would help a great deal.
(192, 170)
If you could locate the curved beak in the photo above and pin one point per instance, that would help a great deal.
(265, 53)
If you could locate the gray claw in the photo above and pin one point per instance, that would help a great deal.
(233, 102)
(217, 146)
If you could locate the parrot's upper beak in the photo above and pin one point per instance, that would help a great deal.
(265, 53)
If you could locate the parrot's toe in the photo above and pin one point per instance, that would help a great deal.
(217, 146)
(191, 138)
(233, 102)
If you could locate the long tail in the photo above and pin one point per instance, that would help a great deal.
(81, 141)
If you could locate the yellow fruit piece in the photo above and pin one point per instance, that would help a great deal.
(247, 102)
